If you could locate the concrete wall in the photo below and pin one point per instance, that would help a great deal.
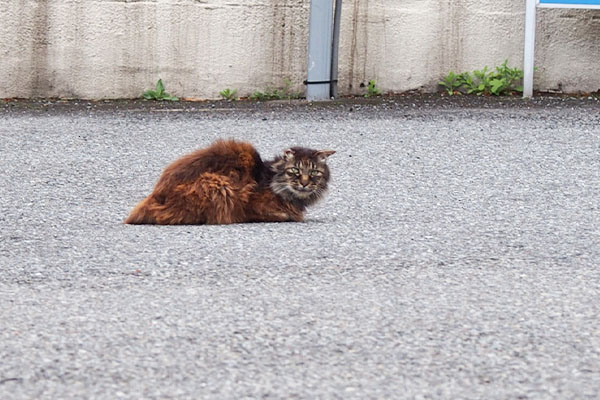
(119, 48)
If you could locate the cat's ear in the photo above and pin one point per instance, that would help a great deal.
(323, 154)
(288, 154)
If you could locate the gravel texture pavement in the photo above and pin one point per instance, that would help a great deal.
(457, 255)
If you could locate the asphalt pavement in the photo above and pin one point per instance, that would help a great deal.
(456, 256)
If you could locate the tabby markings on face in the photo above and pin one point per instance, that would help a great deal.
(304, 177)
(301, 175)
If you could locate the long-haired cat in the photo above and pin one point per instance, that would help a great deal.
(229, 183)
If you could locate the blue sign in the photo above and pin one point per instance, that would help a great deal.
(572, 2)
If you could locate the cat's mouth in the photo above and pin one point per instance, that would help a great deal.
(303, 191)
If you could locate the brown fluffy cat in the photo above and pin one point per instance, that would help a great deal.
(228, 183)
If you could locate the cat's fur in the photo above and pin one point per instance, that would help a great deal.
(228, 183)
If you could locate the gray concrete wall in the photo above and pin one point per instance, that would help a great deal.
(119, 48)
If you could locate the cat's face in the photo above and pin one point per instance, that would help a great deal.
(301, 174)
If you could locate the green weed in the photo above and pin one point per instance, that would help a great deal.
(159, 93)
(502, 81)
(372, 89)
(281, 93)
(452, 82)
(229, 94)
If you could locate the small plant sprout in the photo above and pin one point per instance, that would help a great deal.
(261, 96)
(159, 93)
(372, 89)
(229, 94)
(507, 77)
(284, 92)
(288, 92)
(452, 82)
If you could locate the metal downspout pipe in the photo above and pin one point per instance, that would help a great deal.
(323, 44)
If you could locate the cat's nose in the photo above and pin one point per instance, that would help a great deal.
(304, 180)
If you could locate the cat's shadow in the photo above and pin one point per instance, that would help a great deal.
(316, 221)
(306, 221)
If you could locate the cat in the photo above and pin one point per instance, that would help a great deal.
(228, 183)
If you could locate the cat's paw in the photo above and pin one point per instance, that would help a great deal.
(281, 216)
(292, 217)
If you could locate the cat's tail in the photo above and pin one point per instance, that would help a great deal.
(142, 214)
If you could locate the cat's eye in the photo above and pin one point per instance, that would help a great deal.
(315, 172)
(294, 171)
